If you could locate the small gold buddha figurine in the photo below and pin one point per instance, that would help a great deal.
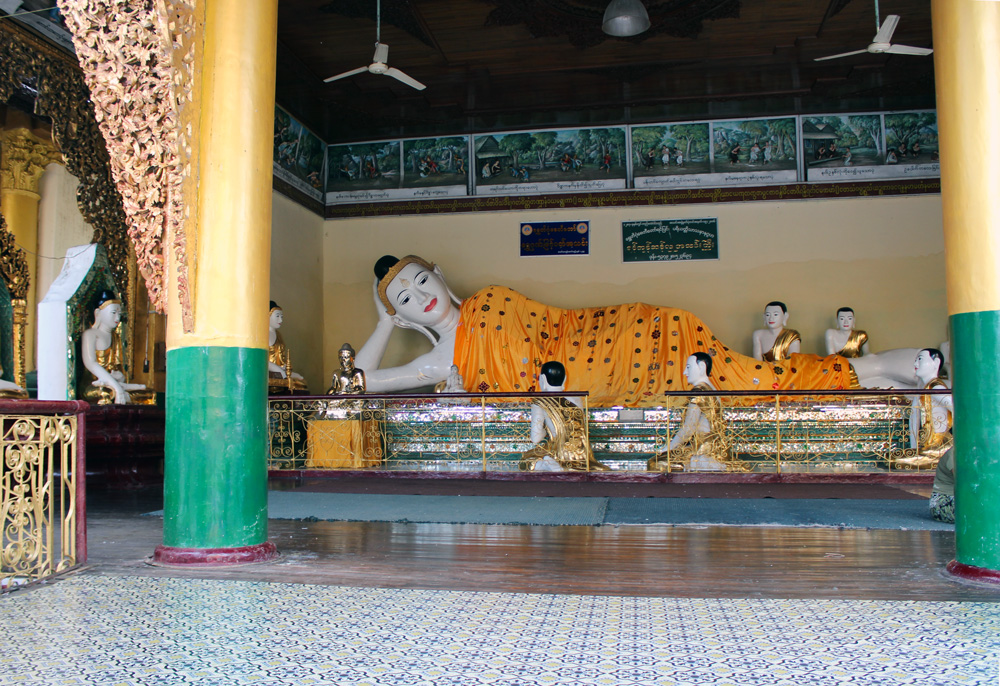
(281, 380)
(348, 379)
(101, 353)
(700, 444)
(931, 416)
(775, 342)
(845, 340)
(565, 447)
(10, 390)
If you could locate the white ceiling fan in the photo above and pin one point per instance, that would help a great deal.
(882, 42)
(379, 61)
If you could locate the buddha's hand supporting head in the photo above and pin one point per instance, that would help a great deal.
(413, 293)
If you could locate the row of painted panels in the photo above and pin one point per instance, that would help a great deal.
(746, 152)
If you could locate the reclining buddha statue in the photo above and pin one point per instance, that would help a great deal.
(101, 353)
(621, 354)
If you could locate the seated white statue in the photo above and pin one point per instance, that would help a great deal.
(775, 342)
(101, 353)
(558, 430)
(622, 355)
(700, 443)
(845, 340)
(453, 384)
(931, 416)
(280, 377)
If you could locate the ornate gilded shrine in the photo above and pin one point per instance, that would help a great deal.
(845, 432)
(14, 283)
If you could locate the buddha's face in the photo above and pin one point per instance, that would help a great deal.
(277, 317)
(109, 315)
(845, 320)
(693, 371)
(419, 295)
(774, 318)
(925, 366)
(346, 360)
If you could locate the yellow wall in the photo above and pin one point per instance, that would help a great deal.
(881, 256)
(296, 275)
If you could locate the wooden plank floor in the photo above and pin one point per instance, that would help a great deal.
(733, 562)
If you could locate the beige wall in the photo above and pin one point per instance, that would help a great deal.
(60, 224)
(881, 256)
(296, 272)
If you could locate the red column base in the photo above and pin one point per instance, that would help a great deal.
(206, 557)
(970, 573)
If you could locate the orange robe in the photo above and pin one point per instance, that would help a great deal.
(622, 354)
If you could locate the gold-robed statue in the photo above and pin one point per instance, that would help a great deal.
(775, 343)
(558, 429)
(700, 443)
(348, 379)
(281, 380)
(931, 416)
(845, 340)
(102, 356)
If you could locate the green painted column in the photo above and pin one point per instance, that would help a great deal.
(967, 75)
(215, 492)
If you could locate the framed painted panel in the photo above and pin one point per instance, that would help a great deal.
(671, 155)
(670, 240)
(911, 141)
(843, 147)
(436, 167)
(752, 152)
(299, 158)
(564, 161)
(363, 172)
(555, 238)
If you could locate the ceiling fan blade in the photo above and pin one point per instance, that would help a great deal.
(843, 54)
(381, 53)
(908, 50)
(885, 31)
(359, 70)
(408, 80)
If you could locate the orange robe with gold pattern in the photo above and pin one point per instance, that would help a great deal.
(622, 354)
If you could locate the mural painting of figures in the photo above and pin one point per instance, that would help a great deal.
(754, 151)
(838, 147)
(436, 162)
(298, 154)
(363, 166)
(572, 160)
(670, 155)
(911, 138)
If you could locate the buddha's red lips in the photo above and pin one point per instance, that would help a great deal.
(430, 305)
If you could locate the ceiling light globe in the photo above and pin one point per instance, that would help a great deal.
(625, 18)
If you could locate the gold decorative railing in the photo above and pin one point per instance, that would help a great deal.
(42, 496)
(790, 431)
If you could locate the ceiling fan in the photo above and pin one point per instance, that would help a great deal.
(379, 61)
(882, 42)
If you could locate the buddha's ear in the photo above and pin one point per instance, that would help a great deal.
(451, 294)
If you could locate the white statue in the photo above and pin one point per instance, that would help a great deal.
(279, 364)
(931, 416)
(775, 342)
(845, 340)
(101, 352)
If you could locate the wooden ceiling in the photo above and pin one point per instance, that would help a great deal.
(492, 65)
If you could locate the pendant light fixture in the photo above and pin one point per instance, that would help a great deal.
(625, 18)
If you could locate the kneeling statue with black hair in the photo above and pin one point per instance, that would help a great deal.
(700, 444)
(558, 429)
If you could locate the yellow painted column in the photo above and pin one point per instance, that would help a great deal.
(23, 158)
(967, 76)
(215, 490)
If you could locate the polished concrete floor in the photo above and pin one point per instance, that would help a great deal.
(403, 603)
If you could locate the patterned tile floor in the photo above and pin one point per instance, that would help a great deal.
(123, 631)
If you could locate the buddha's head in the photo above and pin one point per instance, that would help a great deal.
(845, 319)
(552, 377)
(276, 317)
(775, 315)
(928, 364)
(414, 291)
(346, 354)
(108, 310)
(698, 368)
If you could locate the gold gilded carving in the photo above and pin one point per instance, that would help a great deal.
(23, 159)
(137, 60)
(14, 272)
(63, 97)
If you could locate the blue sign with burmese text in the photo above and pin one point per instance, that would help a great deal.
(555, 238)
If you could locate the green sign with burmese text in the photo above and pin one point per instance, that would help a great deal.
(670, 240)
